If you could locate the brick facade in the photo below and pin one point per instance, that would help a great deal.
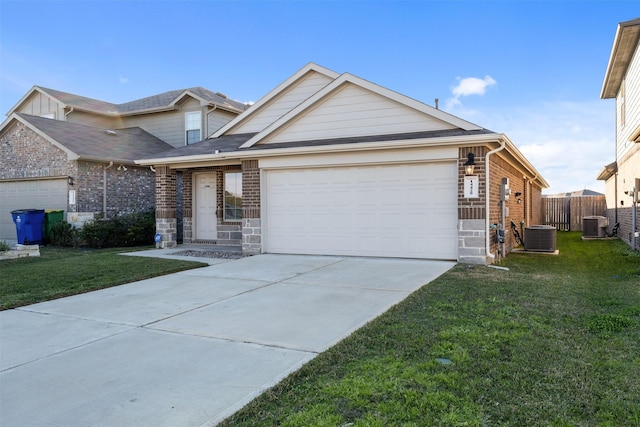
(251, 221)
(524, 206)
(247, 232)
(471, 211)
(24, 154)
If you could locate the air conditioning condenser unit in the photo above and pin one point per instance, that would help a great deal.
(540, 238)
(594, 226)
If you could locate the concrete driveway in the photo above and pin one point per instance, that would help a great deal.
(190, 348)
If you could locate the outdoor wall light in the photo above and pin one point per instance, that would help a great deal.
(518, 194)
(469, 165)
(70, 180)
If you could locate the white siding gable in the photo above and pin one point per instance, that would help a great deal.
(40, 104)
(632, 106)
(354, 111)
(309, 84)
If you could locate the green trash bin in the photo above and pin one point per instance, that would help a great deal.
(51, 217)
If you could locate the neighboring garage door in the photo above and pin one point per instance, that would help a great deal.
(407, 211)
(36, 194)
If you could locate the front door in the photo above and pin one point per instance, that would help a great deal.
(205, 221)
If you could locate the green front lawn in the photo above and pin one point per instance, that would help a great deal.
(554, 341)
(62, 272)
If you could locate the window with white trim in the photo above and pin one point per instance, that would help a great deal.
(233, 196)
(192, 125)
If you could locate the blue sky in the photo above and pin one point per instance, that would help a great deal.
(530, 69)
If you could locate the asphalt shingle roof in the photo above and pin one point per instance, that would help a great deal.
(161, 100)
(88, 142)
(232, 143)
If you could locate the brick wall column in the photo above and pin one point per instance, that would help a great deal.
(166, 221)
(251, 221)
(187, 206)
(472, 211)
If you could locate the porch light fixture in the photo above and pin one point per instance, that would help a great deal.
(70, 180)
(469, 165)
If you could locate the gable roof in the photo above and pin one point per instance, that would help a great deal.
(280, 91)
(306, 109)
(625, 44)
(404, 103)
(160, 102)
(82, 142)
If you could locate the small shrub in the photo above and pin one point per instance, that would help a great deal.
(63, 234)
(4, 246)
(134, 229)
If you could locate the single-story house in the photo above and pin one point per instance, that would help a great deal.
(622, 177)
(67, 152)
(333, 164)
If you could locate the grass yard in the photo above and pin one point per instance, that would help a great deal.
(62, 272)
(554, 341)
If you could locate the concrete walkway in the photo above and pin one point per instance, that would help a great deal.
(190, 348)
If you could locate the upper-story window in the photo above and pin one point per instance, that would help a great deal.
(192, 125)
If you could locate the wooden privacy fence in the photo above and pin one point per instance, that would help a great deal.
(566, 213)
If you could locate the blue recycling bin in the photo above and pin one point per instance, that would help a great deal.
(29, 224)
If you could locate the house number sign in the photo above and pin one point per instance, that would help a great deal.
(471, 187)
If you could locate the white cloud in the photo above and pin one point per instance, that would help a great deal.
(123, 79)
(468, 86)
(472, 86)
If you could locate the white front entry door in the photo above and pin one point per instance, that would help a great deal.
(205, 221)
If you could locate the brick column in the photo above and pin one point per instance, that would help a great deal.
(471, 211)
(251, 222)
(166, 221)
(187, 206)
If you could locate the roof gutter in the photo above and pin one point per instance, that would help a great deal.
(503, 143)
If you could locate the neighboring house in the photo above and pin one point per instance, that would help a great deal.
(72, 153)
(622, 82)
(578, 193)
(332, 164)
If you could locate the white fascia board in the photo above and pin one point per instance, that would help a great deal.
(621, 53)
(350, 78)
(274, 93)
(334, 149)
(71, 155)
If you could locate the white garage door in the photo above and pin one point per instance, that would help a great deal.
(37, 194)
(407, 211)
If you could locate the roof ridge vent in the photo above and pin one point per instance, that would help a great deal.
(110, 132)
(222, 95)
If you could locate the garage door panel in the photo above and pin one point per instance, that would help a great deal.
(36, 194)
(396, 211)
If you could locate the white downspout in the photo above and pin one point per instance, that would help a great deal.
(487, 197)
(104, 189)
